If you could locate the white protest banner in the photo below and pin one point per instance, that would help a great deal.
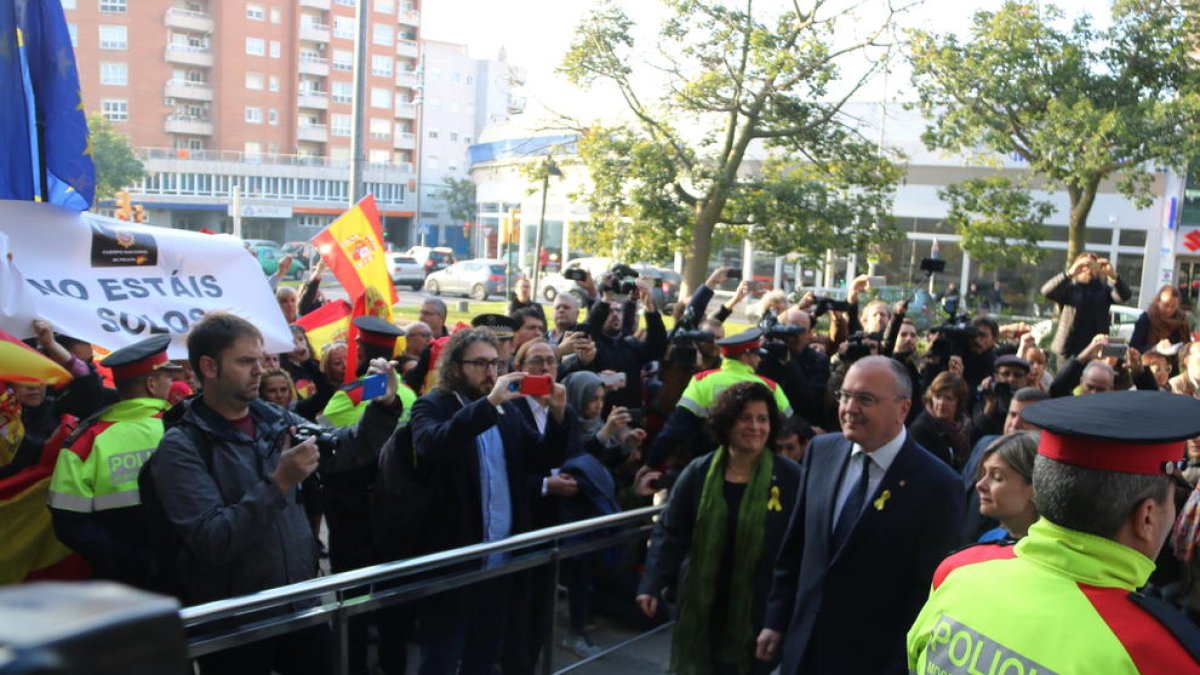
(114, 283)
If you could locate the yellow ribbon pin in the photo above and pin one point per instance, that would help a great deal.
(883, 497)
(773, 504)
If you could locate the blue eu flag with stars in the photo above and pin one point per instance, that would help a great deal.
(45, 154)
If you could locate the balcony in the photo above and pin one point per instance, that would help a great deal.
(313, 65)
(186, 19)
(317, 133)
(188, 124)
(408, 48)
(188, 55)
(404, 141)
(408, 18)
(314, 32)
(186, 89)
(406, 111)
(318, 100)
(406, 78)
(315, 4)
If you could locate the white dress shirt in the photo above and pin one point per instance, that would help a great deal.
(881, 461)
(539, 413)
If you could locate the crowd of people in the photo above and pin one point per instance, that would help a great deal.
(817, 469)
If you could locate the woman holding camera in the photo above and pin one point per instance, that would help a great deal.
(726, 516)
(944, 427)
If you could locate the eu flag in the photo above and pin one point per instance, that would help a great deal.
(44, 146)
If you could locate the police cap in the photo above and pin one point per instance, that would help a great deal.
(1126, 431)
(374, 331)
(140, 358)
(503, 326)
(746, 341)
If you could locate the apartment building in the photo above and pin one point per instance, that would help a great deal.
(256, 94)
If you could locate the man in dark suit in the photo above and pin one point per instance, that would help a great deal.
(475, 451)
(877, 513)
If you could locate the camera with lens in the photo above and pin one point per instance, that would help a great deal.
(825, 305)
(622, 280)
(954, 338)
(327, 441)
(575, 274)
(1003, 392)
(858, 345)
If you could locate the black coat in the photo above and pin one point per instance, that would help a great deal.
(545, 508)
(444, 433)
(672, 537)
(1084, 310)
(847, 611)
(623, 354)
(930, 434)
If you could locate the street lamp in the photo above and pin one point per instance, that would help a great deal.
(550, 169)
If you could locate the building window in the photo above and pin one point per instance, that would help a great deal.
(340, 125)
(380, 130)
(381, 98)
(116, 74)
(255, 12)
(344, 27)
(253, 115)
(343, 92)
(379, 157)
(73, 31)
(272, 116)
(114, 37)
(381, 34)
(274, 83)
(115, 109)
(433, 133)
(347, 3)
(112, 6)
(275, 49)
(276, 17)
(381, 65)
(467, 139)
(253, 148)
(470, 79)
(256, 46)
(254, 81)
(454, 135)
(343, 60)
(312, 222)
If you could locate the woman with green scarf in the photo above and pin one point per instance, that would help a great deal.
(726, 516)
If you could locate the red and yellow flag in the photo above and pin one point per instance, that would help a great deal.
(325, 325)
(352, 247)
(370, 303)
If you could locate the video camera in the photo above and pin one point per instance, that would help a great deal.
(953, 338)
(857, 346)
(621, 279)
(825, 305)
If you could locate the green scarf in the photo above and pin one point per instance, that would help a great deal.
(692, 649)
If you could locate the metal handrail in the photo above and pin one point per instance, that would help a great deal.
(313, 589)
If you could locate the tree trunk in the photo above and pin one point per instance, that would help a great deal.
(695, 269)
(1082, 199)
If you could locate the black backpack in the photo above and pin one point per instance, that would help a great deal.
(167, 564)
(401, 500)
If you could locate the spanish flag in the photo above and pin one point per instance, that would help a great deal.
(370, 303)
(352, 247)
(30, 550)
(327, 324)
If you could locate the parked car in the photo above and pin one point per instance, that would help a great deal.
(406, 271)
(303, 251)
(479, 278)
(431, 258)
(1121, 320)
(553, 283)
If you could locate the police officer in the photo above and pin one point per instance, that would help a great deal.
(94, 500)
(740, 357)
(1064, 599)
(376, 339)
(505, 328)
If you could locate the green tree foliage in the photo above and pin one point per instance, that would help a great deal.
(1000, 222)
(737, 122)
(1080, 105)
(117, 167)
(459, 196)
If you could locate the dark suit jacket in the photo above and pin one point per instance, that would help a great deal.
(545, 457)
(444, 433)
(847, 611)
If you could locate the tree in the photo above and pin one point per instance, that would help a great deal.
(459, 196)
(1000, 223)
(1078, 104)
(117, 167)
(733, 82)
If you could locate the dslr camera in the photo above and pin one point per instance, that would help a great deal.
(622, 280)
(327, 441)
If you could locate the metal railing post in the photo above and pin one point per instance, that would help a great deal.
(548, 644)
(341, 638)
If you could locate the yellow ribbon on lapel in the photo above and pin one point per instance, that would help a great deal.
(773, 504)
(882, 500)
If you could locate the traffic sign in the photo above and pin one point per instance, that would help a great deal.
(423, 230)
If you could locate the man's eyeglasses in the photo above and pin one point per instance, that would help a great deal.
(540, 361)
(483, 363)
(865, 400)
